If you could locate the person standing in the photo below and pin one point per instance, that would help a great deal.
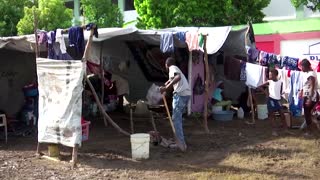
(181, 96)
(309, 92)
(274, 97)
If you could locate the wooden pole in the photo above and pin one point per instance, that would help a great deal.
(75, 156)
(190, 82)
(252, 106)
(206, 96)
(102, 82)
(169, 115)
(102, 110)
(35, 21)
(249, 89)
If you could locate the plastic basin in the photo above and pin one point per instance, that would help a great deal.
(223, 115)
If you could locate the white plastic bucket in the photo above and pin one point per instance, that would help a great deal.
(262, 111)
(140, 146)
(216, 108)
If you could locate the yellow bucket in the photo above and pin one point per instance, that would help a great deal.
(53, 150)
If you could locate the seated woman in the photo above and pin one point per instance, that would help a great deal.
(218, 98)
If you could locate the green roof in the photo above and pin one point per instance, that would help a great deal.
(288, 26)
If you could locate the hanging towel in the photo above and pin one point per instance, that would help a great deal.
(243, 76)
(181, 36)
(76, 40)
(296, 83)
(273, 61)
(297, 79)
(264, 58)
(254, 75)
(43, 38)
(201, 41)
(60, 40)
(283, 76)
(232, 68)
(51, 41)
(253, 54)
(279, 59)
(166, 43)
(192, 40)
(290, 63)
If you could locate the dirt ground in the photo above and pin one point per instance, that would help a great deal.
(233, 150)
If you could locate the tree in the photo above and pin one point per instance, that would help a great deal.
(11, 11)
(170, 13)
(311, 4)
(51, 14)
(102, 12)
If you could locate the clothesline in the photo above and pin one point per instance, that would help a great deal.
(76, 41)
(273, 60)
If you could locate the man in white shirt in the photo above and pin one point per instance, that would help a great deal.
(181, 96)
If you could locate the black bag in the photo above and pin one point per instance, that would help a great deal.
(198, 88)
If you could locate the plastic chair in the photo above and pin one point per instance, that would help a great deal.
(4, 124)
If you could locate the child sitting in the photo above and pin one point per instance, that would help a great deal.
(274, 105)
(218, 98)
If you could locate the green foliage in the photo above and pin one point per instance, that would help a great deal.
(171, 13)
(102, 12)
(51, 14)
(311, 4)
(11, 11)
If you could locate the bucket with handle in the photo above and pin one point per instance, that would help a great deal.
(140, 146)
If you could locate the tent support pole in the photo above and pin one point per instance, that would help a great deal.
(206, 96)
(249, 89)
(190, 81)
(35, 21)
(102, 82)
(75, 156)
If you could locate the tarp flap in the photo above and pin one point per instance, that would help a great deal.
(107, 33)
(216, 37)
(60, 101)
(20, 43)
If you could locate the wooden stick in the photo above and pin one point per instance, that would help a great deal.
(153, 121)
(252, 107)
(102, 110)
(206, 96)
(169, 116)
(190, 82)
(75, 156)
(102, 82)
(131, 119)
(35, 21)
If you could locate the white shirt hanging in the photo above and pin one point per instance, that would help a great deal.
(60, 40)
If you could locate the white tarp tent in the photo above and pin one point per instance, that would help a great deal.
(112, 42)
(60, 101)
